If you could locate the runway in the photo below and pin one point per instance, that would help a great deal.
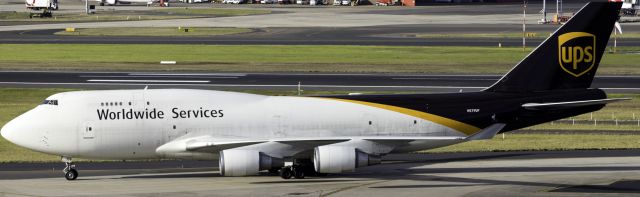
(546, 173)
(277, 81)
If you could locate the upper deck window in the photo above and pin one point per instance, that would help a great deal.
(50, 102)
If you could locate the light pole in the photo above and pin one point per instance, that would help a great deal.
(544, 11)
(524, 28)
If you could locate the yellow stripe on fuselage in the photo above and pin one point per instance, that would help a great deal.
(454, 124)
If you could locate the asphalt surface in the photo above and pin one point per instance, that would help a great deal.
(390, 35)
(13, 171)
(547, 173)
(281, 81)
(323, 25)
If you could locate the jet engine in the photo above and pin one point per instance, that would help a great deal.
(338, 159)
(246, 162)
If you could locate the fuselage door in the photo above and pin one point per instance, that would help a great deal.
(88, 131)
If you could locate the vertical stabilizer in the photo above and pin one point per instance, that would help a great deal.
(569, 58)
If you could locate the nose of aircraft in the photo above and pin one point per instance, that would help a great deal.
(7, 131)
(20, 132)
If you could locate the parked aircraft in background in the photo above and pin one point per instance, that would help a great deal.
(297, 135)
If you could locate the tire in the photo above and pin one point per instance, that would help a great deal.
(71, 175)
(286, 173)
(298, 174)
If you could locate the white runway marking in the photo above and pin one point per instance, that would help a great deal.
(437, 78)
(244, 85)
(189, 74)
(147, 81)
(161, 76)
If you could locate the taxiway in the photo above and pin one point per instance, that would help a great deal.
(550, 173)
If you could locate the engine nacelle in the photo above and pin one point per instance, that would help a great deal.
(246, 162)
(338, 159)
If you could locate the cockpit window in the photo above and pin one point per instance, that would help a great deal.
(50, 102)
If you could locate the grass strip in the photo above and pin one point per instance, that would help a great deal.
(278, 58)
(505, 35)
(542, 142)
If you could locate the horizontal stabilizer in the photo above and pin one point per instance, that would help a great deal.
(487, 133)
(570, 104)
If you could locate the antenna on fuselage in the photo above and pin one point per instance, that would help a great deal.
(146, 87)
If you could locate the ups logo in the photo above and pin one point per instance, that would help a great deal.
(576, 52)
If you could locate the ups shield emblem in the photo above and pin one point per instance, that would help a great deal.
(576, 52)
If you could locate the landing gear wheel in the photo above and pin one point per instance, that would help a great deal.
(286, 173)
(298, 173)
(70, 172)
(71, 175)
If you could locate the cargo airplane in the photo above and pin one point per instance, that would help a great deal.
(298, 135)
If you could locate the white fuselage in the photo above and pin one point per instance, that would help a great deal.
(132, 124)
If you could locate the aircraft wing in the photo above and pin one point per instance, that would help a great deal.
(216, 144)
(200, 142)
(570, 104)
(284, 146)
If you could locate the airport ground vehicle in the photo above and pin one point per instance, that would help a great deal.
(234, 1)
(42, 8)
(294, 135)
(630, 7)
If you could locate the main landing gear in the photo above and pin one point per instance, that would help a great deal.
(70, 172)
(292, 171)
(298, 170)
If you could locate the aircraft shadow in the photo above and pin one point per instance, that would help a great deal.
(181, 175)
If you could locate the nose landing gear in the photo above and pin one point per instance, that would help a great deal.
(70, 172)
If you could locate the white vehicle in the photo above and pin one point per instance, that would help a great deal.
(41, 7)
(337, 2)
(630, 7)
(115, 2)
(302, 2)
(233, 1)
(248, 133)
(315, 2)
(346, 2)
(268, 1)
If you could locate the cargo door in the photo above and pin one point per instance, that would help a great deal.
(87, 140)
